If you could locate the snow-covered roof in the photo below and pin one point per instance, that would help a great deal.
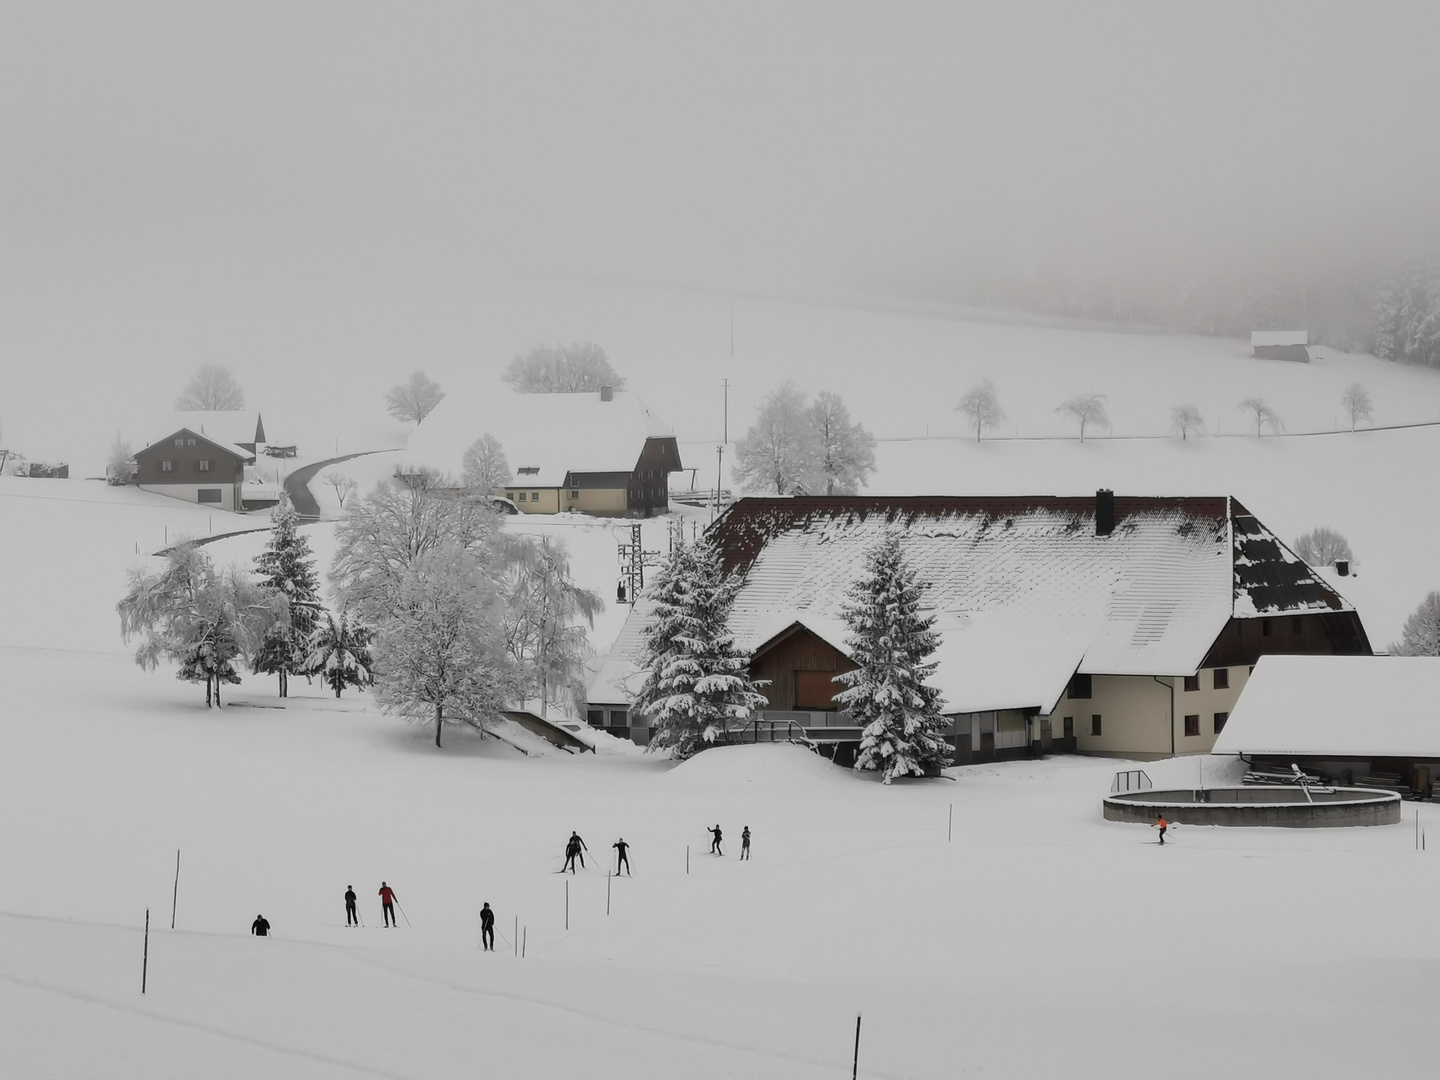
(1024, 592)
(618, 677)
(1338, 706)
(554, 434)
(1279, 337)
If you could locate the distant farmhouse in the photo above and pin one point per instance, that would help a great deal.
(1104, 625)
(1281, 345)
(603, 453)
(204, 459)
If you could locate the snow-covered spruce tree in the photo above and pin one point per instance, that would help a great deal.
(1421, 634)
(891, 643)
(339, 652)
(545, 610)
(440, 656)
(287, 568)
(696, 681)
(202, 620)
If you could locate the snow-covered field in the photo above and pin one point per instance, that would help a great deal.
(1039, 941)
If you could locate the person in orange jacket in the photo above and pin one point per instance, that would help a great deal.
(1162, 825)
(387, 904)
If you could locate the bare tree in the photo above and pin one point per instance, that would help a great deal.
(484, 467)
(211, 389)
(1358, 404)
(414, 400)
(121, 467)
(1421, 633)
(1322, 547)
(1264, 415)
(1185, 420)
(563, 369)
(981, 408)
(1089, 410)
(343, 485)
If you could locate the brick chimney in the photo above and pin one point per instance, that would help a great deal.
(1104, 512)
(607, 393)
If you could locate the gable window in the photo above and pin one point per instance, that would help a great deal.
(1192, 682)
(179, 442)
(1222, 678)
(1080, 687)
(189, 442)
(1094, 723)
(1192, 724)
(1220, 718)
(204, 466)
(167, 466)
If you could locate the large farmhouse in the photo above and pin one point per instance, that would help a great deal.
(189, 465)
(1122, 626)
(602, 453)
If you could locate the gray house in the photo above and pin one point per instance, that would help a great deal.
(1281, 345)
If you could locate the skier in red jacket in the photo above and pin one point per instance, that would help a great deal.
(387, 904)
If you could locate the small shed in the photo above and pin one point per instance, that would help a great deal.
(1281, 345)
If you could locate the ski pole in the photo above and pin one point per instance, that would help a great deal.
(402, 913)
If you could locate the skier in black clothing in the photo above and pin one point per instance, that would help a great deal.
(487, 928)
(574, 849)
(621, 859)
(745, 843)
(260, 927)
(352, 917)
(715, 841)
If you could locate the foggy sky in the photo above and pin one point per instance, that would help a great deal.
(190, 182)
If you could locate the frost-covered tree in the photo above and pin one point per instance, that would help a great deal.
(287, 568)
(1185, 420)
(563, 369)
(1407, 314)
(1088, 410)
(388, 531)
(121, 467)
(414, 400)
(205, 622)
(1421, 633)
(1263, 415)
(343, 485)
(844, 452)
(1322, 547)
(891, 642)
(1358, 404)
(697, 683)
(339, 652)
(484, 467)
(545, 609)
(440, 655)
(981, 409)
(779, 453)
(211, 389)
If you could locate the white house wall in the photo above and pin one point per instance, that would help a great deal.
(191, 493)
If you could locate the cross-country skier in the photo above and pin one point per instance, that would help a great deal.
(352, 917)
(487, 928)
(574, 849)
(745, 843)
(715, 841)
(260, 927)
(621, 859)
(1162, 825)
(387, 904)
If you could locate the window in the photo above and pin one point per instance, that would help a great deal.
(534, 496)
(189, 442)
(1264, 627)
(1069, 727)
(1192, 682)
(520, 497)
(1222, 678)
(179, 442)
(1220, 718)
(1094, 723)
(167, 466)
(528, 470)
(1080, 687)
(204, 466)
(815, 690)
(1192, 724)
(574, 494)
(595, 717)
(208, 495)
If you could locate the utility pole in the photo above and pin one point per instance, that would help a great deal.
(719, 474)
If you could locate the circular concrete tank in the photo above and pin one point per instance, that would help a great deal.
(1286, 807)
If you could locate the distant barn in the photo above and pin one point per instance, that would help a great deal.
(1281, 345)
